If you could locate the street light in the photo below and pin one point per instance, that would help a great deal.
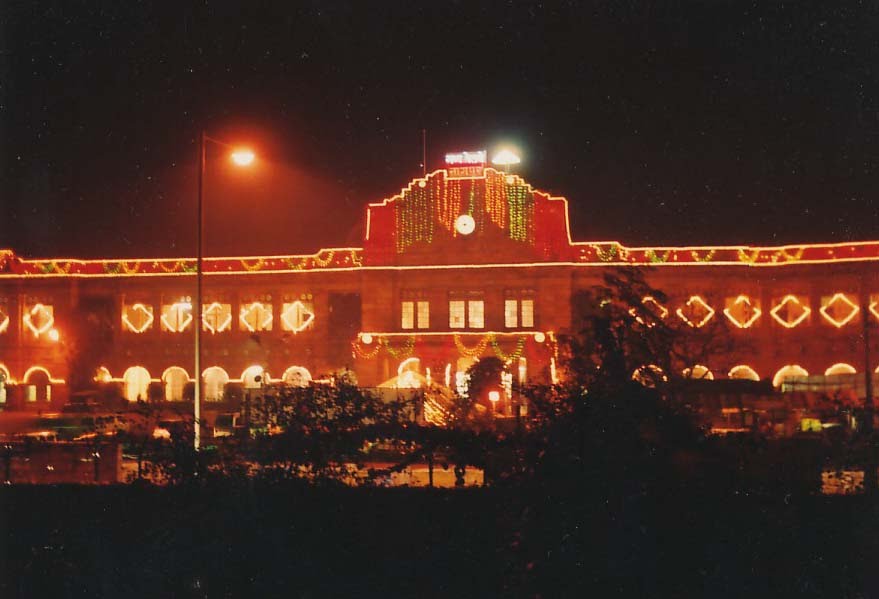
(240, 157)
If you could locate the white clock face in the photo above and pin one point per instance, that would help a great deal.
(465, 224)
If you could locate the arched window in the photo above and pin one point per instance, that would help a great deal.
(248, 377)
(409, 374)
(136, 382)
(38, 383)
(296, 376)
(840, 368)
(698, 372)
(215, 379)
(175, 379)
(5, 379)
(789, 371)
(742, 371)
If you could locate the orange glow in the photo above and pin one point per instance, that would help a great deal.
(243, 157)
(54, 335)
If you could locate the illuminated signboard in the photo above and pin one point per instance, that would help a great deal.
(466, 164)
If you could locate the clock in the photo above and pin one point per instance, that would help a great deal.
(465, 224)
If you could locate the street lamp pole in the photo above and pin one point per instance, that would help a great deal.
(198, 286)
(242, 158)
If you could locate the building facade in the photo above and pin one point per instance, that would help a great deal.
(461, 264)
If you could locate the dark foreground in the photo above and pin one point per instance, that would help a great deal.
(290, 541)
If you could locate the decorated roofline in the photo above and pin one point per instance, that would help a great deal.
(507, 203)
(347, 259)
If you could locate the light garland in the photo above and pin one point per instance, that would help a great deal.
(146, 311)
(789, 324)
(745, 301)
(471, 352)
(696, 324)
(500, 353)
(45, 313)
(402, 352)
(357, 346)
(4, 321)
(853, 310)
(257, 265)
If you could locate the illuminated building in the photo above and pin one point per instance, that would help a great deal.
(463, 263)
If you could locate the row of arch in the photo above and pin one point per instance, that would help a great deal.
(742, 372)
(136, 381)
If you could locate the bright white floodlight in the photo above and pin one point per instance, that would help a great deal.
(505, 158)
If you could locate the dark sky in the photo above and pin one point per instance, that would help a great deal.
(662, 123)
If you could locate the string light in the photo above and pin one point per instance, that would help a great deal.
(708, 310)
(209, 314)
(45, 313)
(840, 368)
(263, 317)
(148, 318)
(743, 371)
(296, 317)
(789, 324)
(649, 299)
(789, 371)
(177, 309)
(4, 321)
(853, 310)
(745, 302)
(44, 370)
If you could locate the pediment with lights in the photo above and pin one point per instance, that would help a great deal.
(467, 214)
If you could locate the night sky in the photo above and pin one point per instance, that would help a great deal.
(662, 123)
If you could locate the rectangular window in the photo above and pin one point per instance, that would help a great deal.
(137, 317)
(407, 315)
(255, 316)
(216, 317)
(519, 309)
(176, 317)
(298, 315)
(423, 315)
(511, 313)
(457, 314)
(476, 316)
(527, 313)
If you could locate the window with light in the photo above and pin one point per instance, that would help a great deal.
(256, 316)
(176, 317)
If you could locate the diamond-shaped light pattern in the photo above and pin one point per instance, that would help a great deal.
(874, 306)
(652, 307)
(743, 312)
(696, 312)
(796, 311)
(839, 310)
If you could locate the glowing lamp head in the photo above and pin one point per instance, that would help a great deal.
(494, 396)
(243, 157)
(54, 335)
(505, 157)
(539, 337)
(366, 338)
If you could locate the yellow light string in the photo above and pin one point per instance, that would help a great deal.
(471, 352)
